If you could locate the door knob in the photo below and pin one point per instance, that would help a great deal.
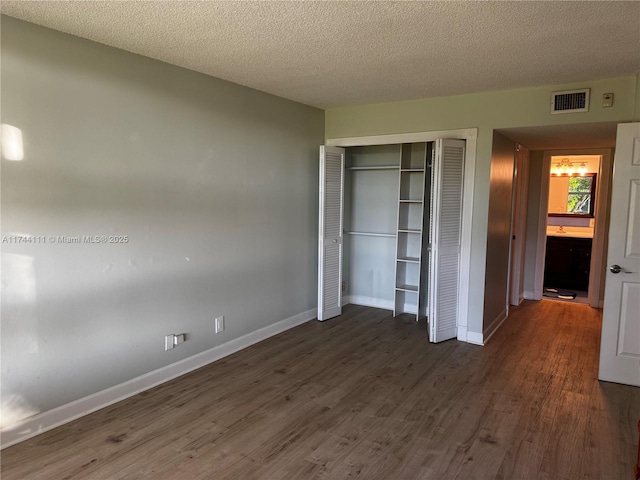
(618, 269)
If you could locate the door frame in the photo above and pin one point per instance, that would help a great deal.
(471, 136)
(601, 222)
(515, 293)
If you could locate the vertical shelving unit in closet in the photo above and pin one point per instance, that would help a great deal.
(412, 252)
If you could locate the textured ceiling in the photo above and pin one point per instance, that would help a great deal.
(338, 53)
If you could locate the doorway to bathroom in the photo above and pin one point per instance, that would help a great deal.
(573, 217)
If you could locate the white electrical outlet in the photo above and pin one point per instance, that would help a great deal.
(219, 324)
(179, 338)
(169, 342)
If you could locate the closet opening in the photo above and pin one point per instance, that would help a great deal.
(396, 239)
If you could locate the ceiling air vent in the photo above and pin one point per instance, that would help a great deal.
(570, 101)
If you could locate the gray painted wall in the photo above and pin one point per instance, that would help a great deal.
(498, 230)
(215, 186)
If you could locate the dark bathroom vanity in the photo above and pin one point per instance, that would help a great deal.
(568, 263)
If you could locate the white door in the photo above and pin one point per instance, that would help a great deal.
(620, 347)
(445, 239)
(330, 232)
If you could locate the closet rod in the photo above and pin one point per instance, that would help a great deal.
(375, 167)
(372, 234)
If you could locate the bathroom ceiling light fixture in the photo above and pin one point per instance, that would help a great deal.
(563, 167)
(582, 169)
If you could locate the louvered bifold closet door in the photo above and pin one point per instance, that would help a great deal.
(446, 233)
(330, 232)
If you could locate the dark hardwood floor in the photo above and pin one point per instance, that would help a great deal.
(366, 396)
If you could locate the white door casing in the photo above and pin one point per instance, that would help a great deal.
(598, 254)
(470, 135)
(445, 238)
(330, 232)
(620, 342)
(518, 225)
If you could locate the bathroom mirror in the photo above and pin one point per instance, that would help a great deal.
(572, 196)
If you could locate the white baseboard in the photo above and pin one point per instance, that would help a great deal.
(370, 302)
(475, 338)
(528, 295)
(462, 333)
(380, 303)
(494, 326)
(48, 420)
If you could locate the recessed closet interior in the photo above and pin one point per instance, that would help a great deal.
(401, 225)
(380, 223)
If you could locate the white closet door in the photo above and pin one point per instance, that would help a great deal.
(330, 232)
(445, 235)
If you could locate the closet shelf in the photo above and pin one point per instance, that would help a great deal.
(410, 170)
(407, 288)
(410, 201)
(375, 167)
(408, 259)
(371, 234)
(409, 230)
